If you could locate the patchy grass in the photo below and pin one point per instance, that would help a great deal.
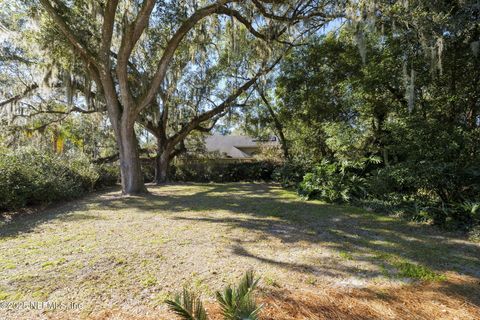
(3, 295)
(345, 255)
(54, 263)
(271, 282)
(149, 281)
(131, 252)
(406, 269)
(410, 270)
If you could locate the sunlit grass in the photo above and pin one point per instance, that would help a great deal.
(406, 269)
(140, 249)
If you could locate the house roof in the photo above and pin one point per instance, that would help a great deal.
(231, 146)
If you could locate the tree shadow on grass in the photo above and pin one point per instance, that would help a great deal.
(366, 237)
(269, 212)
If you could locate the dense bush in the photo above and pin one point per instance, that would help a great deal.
(108, 175)
(290, 174)
(30, 176)
(443, 192)
(220, 171)
(148, 170)
(447, 195)
(332, 182)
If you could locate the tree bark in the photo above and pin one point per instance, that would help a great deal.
(162, 162)
(130, 167)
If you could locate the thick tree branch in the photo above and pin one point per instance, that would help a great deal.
(195, 122)
(170, 49)
(107, 31)
(131, 35)
(115, 157)
(212, 125)
(178, 151)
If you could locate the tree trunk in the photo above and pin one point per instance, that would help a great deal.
(130, 167)
(161, 169)
(161, 164)
(123, 122)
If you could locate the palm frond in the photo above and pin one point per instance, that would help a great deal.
(237, 303)
(187, 306)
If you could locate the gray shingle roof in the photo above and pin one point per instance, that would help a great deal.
(230, 145)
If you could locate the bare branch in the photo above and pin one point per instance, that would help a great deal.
(72, 110)
(195, 122)
(297, 14)
(25, 92)
(276, 122)
(237, 15)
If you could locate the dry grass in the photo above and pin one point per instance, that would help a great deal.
(420, 301)
(121, 257)
(423, 301)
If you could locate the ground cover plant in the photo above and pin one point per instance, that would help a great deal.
(236, 302)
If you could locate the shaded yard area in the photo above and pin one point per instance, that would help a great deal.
(121, 257)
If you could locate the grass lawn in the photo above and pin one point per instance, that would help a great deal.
(120, 257)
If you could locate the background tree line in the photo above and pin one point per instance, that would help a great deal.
(379, 113)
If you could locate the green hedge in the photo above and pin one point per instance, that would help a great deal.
(29, 176)
(218, 171)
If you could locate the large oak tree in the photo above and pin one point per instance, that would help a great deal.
(108, 36)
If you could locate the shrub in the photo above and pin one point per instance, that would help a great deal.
(444, 193)
(108, 175)
(449, 182)
(290, 174)
(30, 176)
(332, 182)
(148, 170)
(218, 171)
(236, 303)
(474, 233)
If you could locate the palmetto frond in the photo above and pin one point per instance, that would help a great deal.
(187, 306)
(237, 303)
